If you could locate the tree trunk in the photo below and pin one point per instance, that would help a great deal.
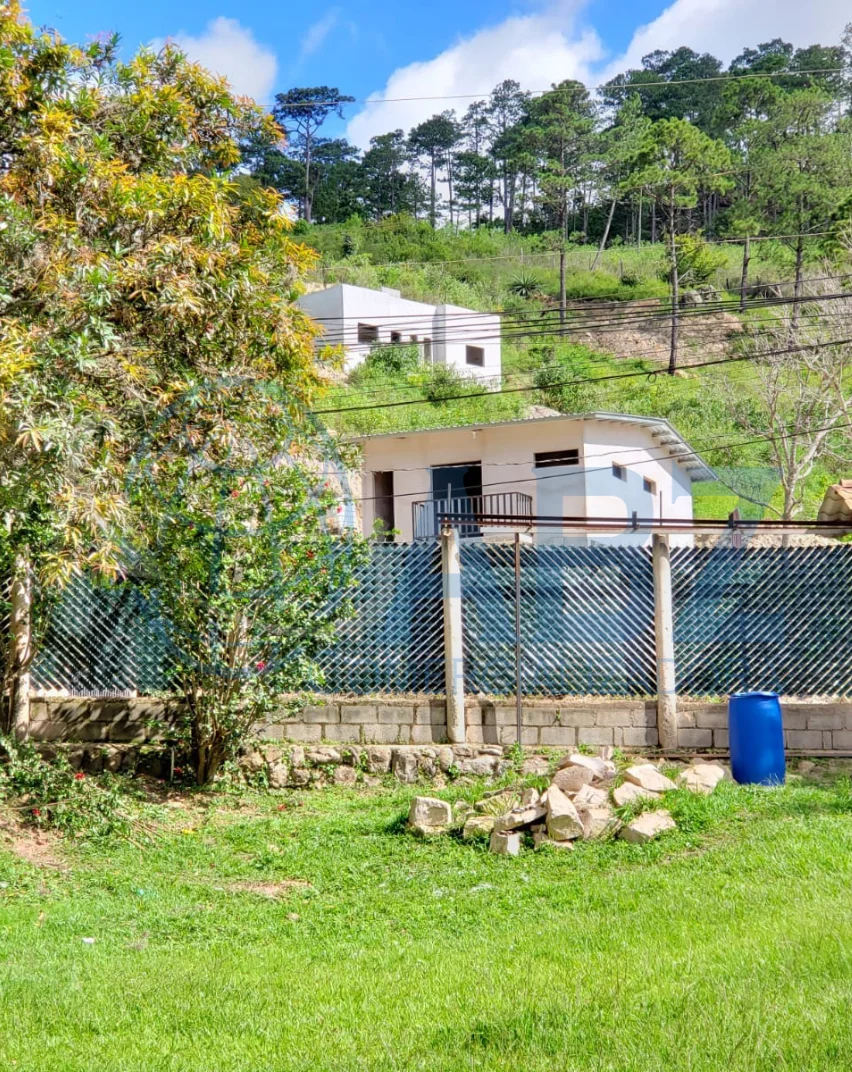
(653, 222)
(307, 210)
(17, 720)
(639, 225)
(744, 276)
(450, 184)
(434, 193)
(562, 301)
(605, 234)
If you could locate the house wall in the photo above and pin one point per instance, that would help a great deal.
(507, 455)
(450, 328)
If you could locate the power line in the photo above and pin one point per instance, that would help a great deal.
(597, 379)
(627, 87)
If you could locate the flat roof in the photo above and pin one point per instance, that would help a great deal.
(661, 429)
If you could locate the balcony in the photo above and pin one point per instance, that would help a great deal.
(472, 515)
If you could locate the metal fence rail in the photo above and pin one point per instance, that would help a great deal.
(587, 620)
(763, 619)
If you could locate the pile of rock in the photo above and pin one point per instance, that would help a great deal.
(579, 803)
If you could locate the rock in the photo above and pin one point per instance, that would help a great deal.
(481, 767)
(299, 778)
(702, 777)
(647, 826)
(563, 822)
(427, 767)
(113, 758)
(279, 776)
(805, 766)
(344, 776)
(519, 817)
(404, 767)
(535, 765)
(589, 797)
(446, 759)
(529, 798)
(351, 756)
(491, 750)
(321, 757)
(378, 760)
(541, 841)
(572, 779)
(498, 803)
(478, 826)
(628, 793)
(646, 776)
(505, 843)
(598, 822)
(602, 769)
(462, 809)
(428, 815)
(297, 756)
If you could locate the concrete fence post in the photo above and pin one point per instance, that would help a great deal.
(21, 634)
(453, 643)
(667, 728)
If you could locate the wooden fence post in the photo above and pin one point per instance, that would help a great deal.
(453, 643)
(667, 727)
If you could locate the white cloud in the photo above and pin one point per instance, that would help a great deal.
(318, 32)
(227, 48)
(534, 50)
(552, 44)
(725, 27)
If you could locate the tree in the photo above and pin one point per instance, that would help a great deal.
(507, 108)
(620, 144)
(300, 112)
(562, 122)
(389, 188)
(132, 270)
(803, 389)
(233, 491)
(803, 167)
(674, 164)
(435, 139)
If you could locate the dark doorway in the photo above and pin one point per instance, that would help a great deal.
(463, 484)
(384, 504)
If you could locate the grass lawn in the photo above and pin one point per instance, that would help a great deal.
(726, 946)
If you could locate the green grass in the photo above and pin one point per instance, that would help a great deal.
(725, 946)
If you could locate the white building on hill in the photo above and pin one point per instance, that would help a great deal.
(593, 465)
(360, 319)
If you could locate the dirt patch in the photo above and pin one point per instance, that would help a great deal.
(701, 338)
(271, 890)
(41, 848)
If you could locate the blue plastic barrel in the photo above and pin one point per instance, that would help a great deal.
(757, 738)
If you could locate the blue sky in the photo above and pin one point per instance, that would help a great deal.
(391, 48)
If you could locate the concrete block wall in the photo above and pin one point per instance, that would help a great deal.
(631, 724)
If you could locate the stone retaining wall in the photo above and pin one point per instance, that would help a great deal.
(559, 724)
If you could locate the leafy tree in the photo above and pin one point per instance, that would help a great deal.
(674, 164)
(300, 112)
(563, 122)
(132, 270)
(234, 492)
(435, 139)
(620, 145)
(686, 96)
(507, 108)
(389, 188)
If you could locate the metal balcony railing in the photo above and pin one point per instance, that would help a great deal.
(470, 514)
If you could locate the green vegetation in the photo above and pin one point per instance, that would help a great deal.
(298, 932)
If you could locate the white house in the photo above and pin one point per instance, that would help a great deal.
(359, 319)
(594, 465)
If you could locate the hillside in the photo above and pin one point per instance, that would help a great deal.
(615, 343)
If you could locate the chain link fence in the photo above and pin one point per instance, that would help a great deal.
(771, 619)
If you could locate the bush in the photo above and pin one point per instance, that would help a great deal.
(53, 794)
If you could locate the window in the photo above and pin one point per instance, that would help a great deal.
(549, 459)
(396, 338)
(619, 471)
(368, 333)
(649, 485)
(474, 355)
(427, 349)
